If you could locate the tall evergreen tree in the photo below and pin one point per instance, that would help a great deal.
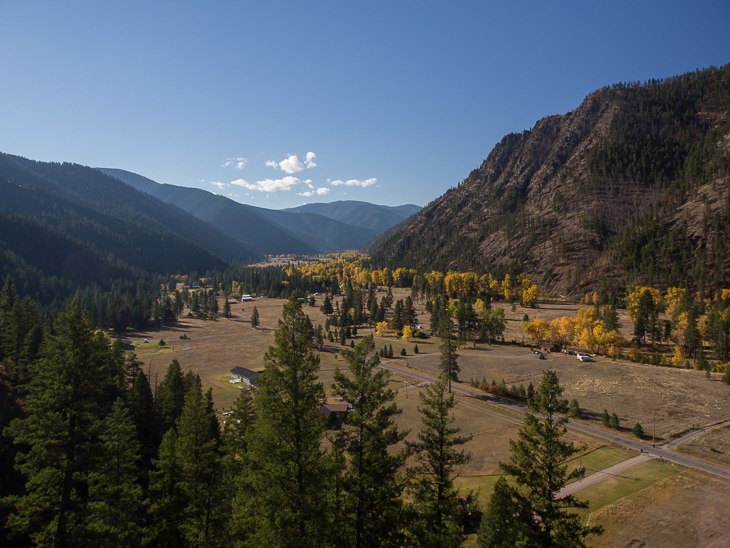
(167, 501)
(238, 425)
(370, 506)
(287, 474)
(114, 490)
(171, 395)
(326, 307)
(65, 405)
(201, 472)
(142, 410)
(449, 363)
(255, 317)
(435, 522)
(531, 513)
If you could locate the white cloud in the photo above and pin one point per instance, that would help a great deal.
(321, 191)
(269, 185)
(355, 182)
(238, 163)
(218, 185)
(309, 161)
(292, 164)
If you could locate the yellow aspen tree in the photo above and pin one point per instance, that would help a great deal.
(381, 328)
(678, 357)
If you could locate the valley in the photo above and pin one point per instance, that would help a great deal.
(669, 403)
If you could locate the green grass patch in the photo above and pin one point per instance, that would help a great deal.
(624, 484)
(601, 458)
(480, 485)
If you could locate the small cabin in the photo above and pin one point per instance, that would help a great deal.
(335, 411)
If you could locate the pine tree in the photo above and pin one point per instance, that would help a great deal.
(142, 409)
(286, 480)
(605, 418)
(255, 318)
(435, 520)
(167, 500)
(370, 505)
(449, 363)
(530, 514)
(213, 306)
(65, 405)
(201, 478)
(114, 491)
(171, 396)
(239, 423)
(496, 529)
(610, 319)
(326, 307)
(226, 308)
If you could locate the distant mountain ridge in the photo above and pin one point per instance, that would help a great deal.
(308, 229)
(629, 188)
(378, 218)
(66, 227)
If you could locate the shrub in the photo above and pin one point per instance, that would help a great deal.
(605, 418)
(635, 355)
(638, 430)
(574, 411)
(415, 349)
(614, 421)
(403, 351)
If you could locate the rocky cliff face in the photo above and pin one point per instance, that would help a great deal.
(560, 200)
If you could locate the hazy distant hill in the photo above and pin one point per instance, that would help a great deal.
(630, 187)
(237, 220)
(378, 218)
(273, 231)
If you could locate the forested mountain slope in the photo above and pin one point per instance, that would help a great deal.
(264, 230)
(70, 197)
(632, 186)
(237, 220)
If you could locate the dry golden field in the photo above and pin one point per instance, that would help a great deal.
(662, 506)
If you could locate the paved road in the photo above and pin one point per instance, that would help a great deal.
(664, 452)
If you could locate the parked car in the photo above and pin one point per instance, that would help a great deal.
(584, 358)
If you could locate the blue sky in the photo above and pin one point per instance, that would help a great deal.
(276, 104)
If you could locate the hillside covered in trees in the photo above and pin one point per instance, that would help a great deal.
(631, 187)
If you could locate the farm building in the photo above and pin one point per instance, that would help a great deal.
(242, 374)
(335, 410)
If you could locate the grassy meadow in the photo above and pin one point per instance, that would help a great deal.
(666, 401)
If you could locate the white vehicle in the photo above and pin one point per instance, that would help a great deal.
(584, 357)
